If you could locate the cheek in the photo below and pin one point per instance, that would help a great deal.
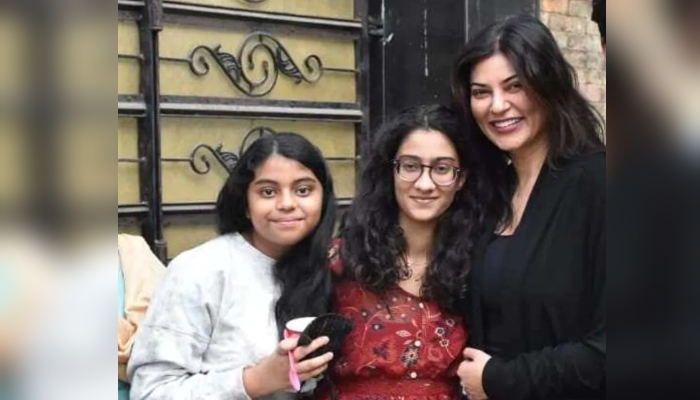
(480, 110)
(313, 207)
(401, 188)
(258, 209)
(526, 106)
(537, 121)
(450, 198)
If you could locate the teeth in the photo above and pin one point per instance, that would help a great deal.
(507, 123)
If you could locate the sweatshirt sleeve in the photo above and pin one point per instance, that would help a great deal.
(574, 367)
(167, 356)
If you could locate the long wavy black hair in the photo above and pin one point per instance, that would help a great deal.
(303, 272)
(373, 249)
(573, 126)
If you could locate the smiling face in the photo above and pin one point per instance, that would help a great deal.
(507, 114)
(423, 200)
(285, 203)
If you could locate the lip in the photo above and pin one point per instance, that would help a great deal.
(287, 222)
(512, 124)
(423, 200)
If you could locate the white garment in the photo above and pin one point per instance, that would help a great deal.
(212, 315)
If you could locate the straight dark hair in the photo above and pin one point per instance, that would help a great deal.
(373, 250)
(303, 272)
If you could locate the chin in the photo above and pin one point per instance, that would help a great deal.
(423, 217)
(289, 238)
(508, 144)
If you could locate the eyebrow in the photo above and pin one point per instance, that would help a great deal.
(436, 159)
(510, 78)
(275, 183)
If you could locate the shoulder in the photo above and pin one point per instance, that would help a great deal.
(586, 174)
(137, 260)
(205, 262)
(134, 248)
(593, 173)
(128, 242)
(212, 250)
(593, 166)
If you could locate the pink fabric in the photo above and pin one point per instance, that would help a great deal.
(142, 271)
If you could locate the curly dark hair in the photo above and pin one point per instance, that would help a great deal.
(304, 271)
(373, 249)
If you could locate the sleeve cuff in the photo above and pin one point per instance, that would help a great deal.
(240, 387)
(492, 379)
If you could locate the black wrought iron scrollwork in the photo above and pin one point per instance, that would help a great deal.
(239, 67)
(199, 159)
(253, 135)
(226, 159)
(199, 156)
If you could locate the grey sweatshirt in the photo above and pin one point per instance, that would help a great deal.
(212, 315)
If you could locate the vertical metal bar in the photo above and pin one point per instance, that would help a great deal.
(42, 120)
(362, 130)
(377, 92)
(149, 129)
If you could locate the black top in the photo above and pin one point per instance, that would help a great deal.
(550, 339)
(495, 328)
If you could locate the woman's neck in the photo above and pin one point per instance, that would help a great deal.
(419, 239)
(528, 163)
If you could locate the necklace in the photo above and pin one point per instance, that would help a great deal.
(411, 265)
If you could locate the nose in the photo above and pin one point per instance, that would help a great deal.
(286, 201)
(425, 182)
(499, 103)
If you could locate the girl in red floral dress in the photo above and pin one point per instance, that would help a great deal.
(402, 259)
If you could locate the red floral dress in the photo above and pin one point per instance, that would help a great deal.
(402, 348)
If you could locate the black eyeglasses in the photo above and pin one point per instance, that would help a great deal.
(410, 169)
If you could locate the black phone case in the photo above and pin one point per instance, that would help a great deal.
(335, 326)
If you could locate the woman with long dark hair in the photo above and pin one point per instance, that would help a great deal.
(213, 328)
(537, 288)
(402, 259)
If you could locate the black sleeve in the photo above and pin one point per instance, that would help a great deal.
(570, 368)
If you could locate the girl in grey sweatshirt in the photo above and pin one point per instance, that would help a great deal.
(214, 325)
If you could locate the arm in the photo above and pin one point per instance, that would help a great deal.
(141, 272)
(166, 360)
(167, 355)
(570, 367)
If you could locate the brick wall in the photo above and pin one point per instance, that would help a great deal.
(579, 39)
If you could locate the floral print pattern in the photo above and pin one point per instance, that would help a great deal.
(402, 347)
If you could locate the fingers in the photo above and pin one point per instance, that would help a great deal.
(314, 366)
(462, 369)
(287, 345)
(301, 352)
(471, 353)
(314, 373)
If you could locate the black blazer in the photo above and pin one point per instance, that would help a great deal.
(554, 280)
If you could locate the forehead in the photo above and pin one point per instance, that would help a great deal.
(427, 145)
(282, 170)
(493, 69)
